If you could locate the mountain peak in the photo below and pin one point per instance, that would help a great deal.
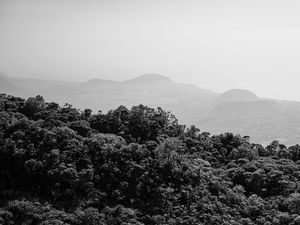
(150, 78)
(236, 95)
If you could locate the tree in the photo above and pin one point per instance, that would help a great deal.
(33, 105)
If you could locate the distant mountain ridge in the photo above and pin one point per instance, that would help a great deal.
(238, 111)
(143, 81)
(104, 94)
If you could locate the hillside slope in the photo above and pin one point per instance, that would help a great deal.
(264, 120)
(8, 87)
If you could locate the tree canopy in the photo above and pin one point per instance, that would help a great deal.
(60, 165)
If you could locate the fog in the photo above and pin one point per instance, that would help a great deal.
(217, 45)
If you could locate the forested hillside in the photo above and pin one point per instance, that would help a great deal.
(60, 165)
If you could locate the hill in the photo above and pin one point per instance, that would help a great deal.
(247, 108)
(264, 120)
(6, 86)
(149, 79)
(188, 101)
(96, 83)
(236, 95)
(237, 111)
(151, 89)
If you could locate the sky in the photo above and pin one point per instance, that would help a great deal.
(214, 44)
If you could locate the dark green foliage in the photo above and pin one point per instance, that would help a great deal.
(139, 124)
(33, 105)
(59, 166)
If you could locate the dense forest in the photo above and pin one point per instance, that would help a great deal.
(60, 165)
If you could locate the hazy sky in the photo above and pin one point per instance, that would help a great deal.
(216, 44)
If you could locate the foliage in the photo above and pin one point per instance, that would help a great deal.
(59, 165)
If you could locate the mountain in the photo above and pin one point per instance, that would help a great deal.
(237, 111)
(94, 83)
(149, 79)
(152, 80)
(264, 120)
(187, 101)
(53, 90)
(237, 103)
(6, 86)
(246, 108)
(236, 95)
(241, 103)
(97, 86)
(150, 89)
(43, 86)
